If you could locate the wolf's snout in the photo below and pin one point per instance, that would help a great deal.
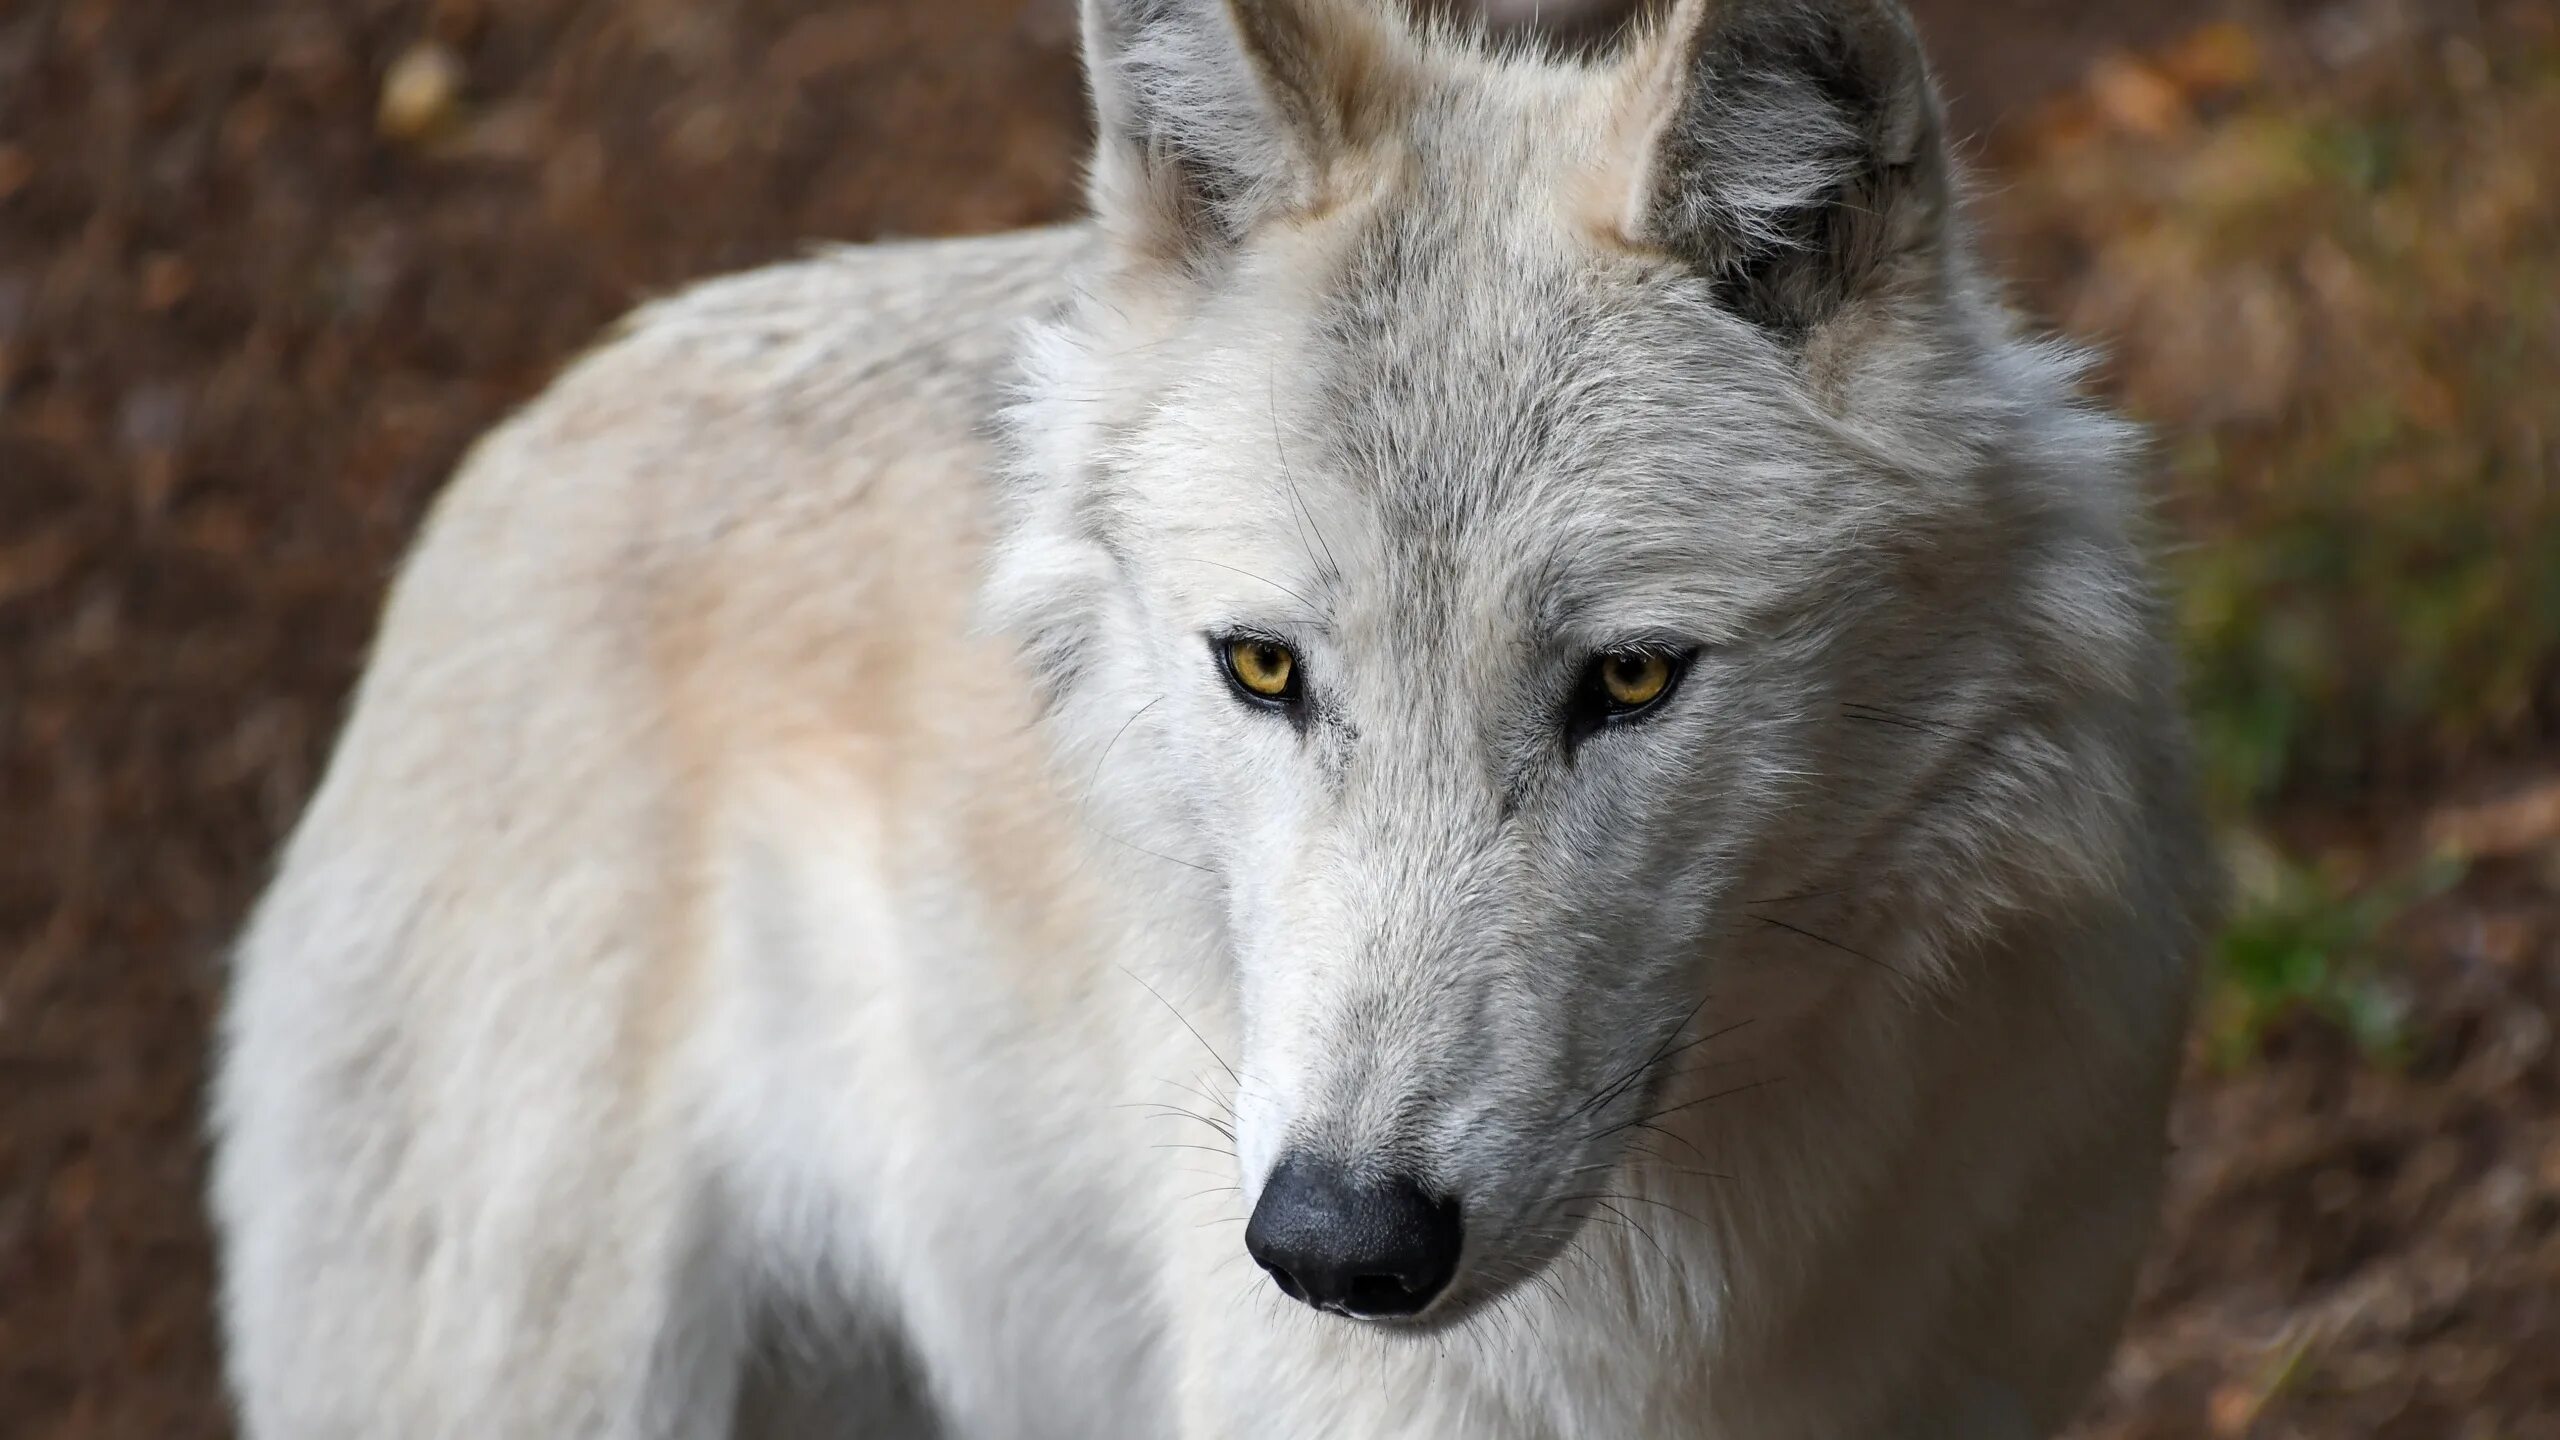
(1375, 1248)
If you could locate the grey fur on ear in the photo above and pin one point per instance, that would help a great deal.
(1795, 156)
(1213, 114)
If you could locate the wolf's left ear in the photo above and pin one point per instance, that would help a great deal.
(1213, 115)
(1792, 151)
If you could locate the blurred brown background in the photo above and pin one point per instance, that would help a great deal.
(266, 266)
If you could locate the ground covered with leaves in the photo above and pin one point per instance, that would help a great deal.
(266, 267)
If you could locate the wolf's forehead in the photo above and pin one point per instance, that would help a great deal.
(1531, 439)
(1499, 373)
(1450, 374)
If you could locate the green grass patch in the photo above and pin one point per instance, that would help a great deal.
(2306, 938)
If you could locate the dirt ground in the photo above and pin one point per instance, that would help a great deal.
(248, 319)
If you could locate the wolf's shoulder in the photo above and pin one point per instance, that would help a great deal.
(794, 387)
(890, 323)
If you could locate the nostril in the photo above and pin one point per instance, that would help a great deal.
(1379, 1295)
(1377, 1247)
(1287, 1282)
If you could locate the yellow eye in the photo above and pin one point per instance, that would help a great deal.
(1262, 668)
(1634, 678)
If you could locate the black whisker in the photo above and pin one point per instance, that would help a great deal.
(1878, 715)
(1186, 1024)
(1225, 1107)
(1085, 804)
(1690, 1105)
(1641, 1200)
(1649, 1239)
(1616, 1087)
(1176, 1112)
(1793, 897)
(1834, 944)
(1150, 854)
(1680, 1140)
(1314, 613)
(1306, 516)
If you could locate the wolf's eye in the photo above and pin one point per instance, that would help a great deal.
(1621, 685)
(1264, 670)
(1634, 678)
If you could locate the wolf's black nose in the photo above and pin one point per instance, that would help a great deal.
(1369, 1247)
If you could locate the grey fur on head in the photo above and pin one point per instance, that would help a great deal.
(1481, 358)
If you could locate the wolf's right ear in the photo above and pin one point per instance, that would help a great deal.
(1211, 115)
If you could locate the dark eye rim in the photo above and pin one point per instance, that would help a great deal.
(1222, 653)
(1594, 709)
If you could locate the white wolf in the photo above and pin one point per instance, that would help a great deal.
(1493, 762)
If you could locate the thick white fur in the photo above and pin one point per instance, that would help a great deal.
(795, 922)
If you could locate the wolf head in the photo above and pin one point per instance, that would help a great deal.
(1516, 524)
